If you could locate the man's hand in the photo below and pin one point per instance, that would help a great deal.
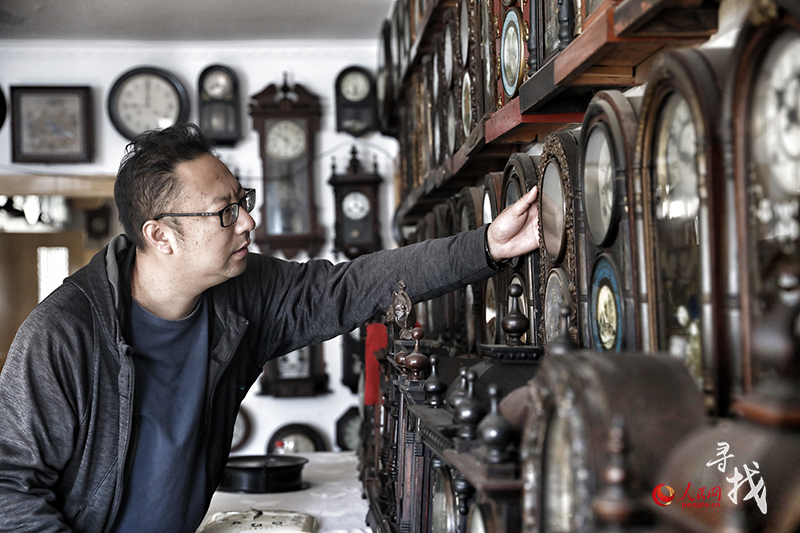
(515, 231)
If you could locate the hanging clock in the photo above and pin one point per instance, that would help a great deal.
(494, 290)
(575, 432)
(384, 83)
(219, 104)
(348, 429)
(488, 78)
(296, 439)
(608, 139)
(298, 373)
(287, 121)
(512, 52)
(470, 210)
(519, 177)
(357, 209)
(356, 102)
(765, 107)
(464, 31)
(681, 163)
(3, 108)
(147, 98)
(448, 51)
(452, 125)
(558, 171)
(467, 103)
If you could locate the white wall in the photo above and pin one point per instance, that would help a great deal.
(258, 64)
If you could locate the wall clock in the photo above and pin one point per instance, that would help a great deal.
(287, 120)
(449, 59)
(519, 177)
(52, 124)
(608, 140)
(296, 438)
(488, 54)
(558, 172)
(147, 98)
(494, 290)
(219, 104)
(356, 101)
(384, 82)
(464, 31)
(470, 211)
(681, 162)
(298, 373)
(467, 102)
(3, 108)
(766, 174)
(357, 209)
(348, 429)
(512, 52)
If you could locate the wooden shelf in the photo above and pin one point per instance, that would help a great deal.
(72, 186)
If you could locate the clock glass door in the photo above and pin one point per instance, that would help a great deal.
(286, 195)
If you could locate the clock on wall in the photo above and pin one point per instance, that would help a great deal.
(298, 373)
(357, 209)
(2, 108)
(356, 101)
(146, 98)
(218, 104)
(287, 121)
(51, 124)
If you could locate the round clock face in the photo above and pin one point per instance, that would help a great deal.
(598, 184)
(559, 482)
(487, 207)
(448, 56)
(477, 520)
(553, 213)
(294, 443)
(355, 205)
(437, 141)
(286, 140)
(466, 104)
(451, 123)
(146, 98)
(556, 296)
(435, 77)
(511, 52)
(217, 84)
(490, 312)
(443, 508)
(676, 169)
(487, 37)
(606, 306)
(463, 30)
(775, 131)
(355, 86)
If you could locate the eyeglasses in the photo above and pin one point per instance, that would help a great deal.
(228, 215)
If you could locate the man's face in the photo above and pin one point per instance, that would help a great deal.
(208, 253)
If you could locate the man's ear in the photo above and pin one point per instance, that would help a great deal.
(158, 237)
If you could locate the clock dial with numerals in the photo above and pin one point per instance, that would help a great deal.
(286, 140)
(355, 205)
(147, 98)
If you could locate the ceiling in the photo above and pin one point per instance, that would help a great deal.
(192, 20)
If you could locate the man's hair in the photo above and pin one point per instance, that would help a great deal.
(147, 184)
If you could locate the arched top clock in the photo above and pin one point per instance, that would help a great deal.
(287, 120)
(680, 157)
(763, 104)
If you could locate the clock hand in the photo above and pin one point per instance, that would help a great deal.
(58, 130)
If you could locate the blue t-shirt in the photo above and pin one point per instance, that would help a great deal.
(165, 490)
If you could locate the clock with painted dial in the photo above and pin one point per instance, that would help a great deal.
(356, 101)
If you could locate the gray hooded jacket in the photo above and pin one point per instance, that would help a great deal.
(67, 422)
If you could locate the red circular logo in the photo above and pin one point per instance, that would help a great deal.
(660, 497)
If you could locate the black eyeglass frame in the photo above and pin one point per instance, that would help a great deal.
(249, 200)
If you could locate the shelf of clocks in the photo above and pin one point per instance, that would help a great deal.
(614, 47)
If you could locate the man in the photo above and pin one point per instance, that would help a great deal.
(119, 394)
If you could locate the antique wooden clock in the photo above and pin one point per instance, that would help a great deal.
(356, 102)
(357, 213)
(218, 102)
(298, 373)
(287, 121)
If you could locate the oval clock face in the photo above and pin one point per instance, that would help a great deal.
(448, 56)
(556, 296)
(553, 214)
(598, 185)
(676, 167)
(606, 306)
(511, 52)
(354, 86)
(463, 29)
(443, 508)
(466, 104)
